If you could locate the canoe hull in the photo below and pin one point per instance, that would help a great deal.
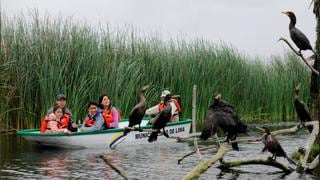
(105, 137)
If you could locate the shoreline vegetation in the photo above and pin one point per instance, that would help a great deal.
(45, 56)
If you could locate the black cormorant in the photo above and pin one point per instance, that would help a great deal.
(222, 114)
(296, 35)
(301, 108)
(161, 120)
(273, 146)
(138, 111)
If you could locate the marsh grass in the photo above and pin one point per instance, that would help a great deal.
(45, 56)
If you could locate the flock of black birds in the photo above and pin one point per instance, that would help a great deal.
(222, 115)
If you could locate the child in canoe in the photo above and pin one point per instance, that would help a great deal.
(53, 120)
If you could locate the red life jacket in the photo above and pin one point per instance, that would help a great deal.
(89, 121)
(64, 121)
(162, 106)
(44, 124)
(108, 117)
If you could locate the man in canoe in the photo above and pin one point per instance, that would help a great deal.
(175, 107)
(66, 120)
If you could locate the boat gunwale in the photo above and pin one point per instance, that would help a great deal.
(31, 132)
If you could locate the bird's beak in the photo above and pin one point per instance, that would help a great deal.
(285, 13)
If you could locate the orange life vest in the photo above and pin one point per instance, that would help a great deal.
(90, 121)
(44, 124)
(108, 117)
(64, 121)
(162, 106)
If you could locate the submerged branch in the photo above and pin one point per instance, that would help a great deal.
(114, 167)
(267, 162)
(300, 55)
(194, 151)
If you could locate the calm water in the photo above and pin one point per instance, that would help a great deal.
(22, 160)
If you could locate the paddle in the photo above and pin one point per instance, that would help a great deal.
(117, 139)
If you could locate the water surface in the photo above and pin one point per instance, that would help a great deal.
(23, 160)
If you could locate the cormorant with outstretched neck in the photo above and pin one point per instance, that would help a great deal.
(138, 111)
(301, 108)
(273, 146)
(161, 120)
(222, 114)
(296, 35)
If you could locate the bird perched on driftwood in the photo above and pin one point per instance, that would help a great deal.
(301, 108)
(273, 146)
(137, 113)
(222, 114)
(160, 121)
(296, 35)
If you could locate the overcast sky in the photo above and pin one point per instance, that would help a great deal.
(252, 26)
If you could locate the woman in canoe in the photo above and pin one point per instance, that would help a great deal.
(110, 113)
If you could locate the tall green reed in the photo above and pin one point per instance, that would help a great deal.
(46, 56)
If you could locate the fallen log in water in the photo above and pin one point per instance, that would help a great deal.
(203, 165)
(114, 167)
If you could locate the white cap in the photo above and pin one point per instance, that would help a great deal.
(165, 93)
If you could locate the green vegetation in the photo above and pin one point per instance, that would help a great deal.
(314, 152)
(42, 57)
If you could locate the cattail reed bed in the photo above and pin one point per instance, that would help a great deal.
(45, 56)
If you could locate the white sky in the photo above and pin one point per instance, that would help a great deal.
(252, 26)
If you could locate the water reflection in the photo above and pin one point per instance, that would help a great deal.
(22, 160)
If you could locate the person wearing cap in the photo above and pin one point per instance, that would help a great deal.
(66, 120)
(175, 107)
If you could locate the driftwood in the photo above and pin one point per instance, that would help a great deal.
(114, 167)
(311, 139)
(267, 162)
(203, 165)
(300, 55)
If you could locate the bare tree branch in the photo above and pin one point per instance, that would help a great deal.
(194, 151)
(203, 165)
(267, 162)
(300, 55)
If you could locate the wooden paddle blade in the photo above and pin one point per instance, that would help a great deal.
(117, 139)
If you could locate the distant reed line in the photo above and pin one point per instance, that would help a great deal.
(44, 56)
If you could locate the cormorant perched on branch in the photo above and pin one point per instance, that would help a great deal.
(301, 108)
(161, 120)
(273, 146)
(296, 35)
(223, 115)
(138, 111)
